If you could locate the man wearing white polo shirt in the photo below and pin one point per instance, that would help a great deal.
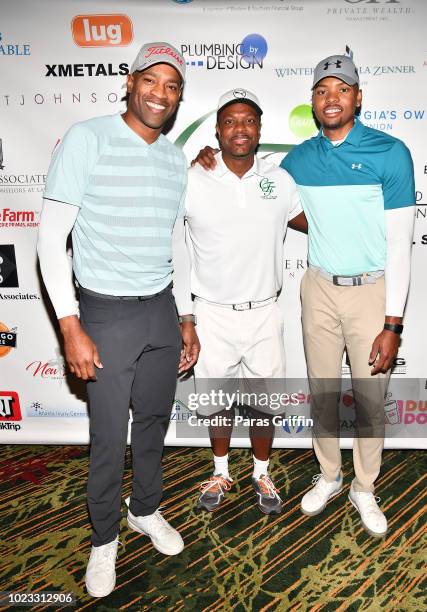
(236, 219)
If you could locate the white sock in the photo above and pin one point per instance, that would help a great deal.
(221, 466)
(260, 467)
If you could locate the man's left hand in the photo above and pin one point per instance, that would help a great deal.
(384, 351)
(191, 348)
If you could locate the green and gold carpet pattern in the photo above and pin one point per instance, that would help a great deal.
(235, 559)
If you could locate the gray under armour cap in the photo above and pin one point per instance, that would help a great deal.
(159, 53)
(340, 66)
(244, 96)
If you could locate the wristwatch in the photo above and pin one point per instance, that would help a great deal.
(188, 319)
(397, 328)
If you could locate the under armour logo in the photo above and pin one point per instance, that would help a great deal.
(337, 64)
(356, 166)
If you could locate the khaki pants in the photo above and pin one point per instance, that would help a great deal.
(335, 317)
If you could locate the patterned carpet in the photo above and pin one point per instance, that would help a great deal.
(235, 559)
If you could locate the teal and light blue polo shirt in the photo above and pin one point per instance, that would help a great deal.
(345, 190)
(129, 194)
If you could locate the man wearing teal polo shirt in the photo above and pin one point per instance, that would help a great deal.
(357, 190)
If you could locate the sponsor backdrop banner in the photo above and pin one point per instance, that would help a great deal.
(66, 61)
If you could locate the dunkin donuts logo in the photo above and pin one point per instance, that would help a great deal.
(102, 30)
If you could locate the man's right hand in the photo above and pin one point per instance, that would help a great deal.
(81, 353)
(206, 158)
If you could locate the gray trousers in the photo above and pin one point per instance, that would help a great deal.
(139, 343)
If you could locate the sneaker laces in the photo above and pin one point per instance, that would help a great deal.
(156, 521)
(316, 478)
(370, 502)
(320, 485)
(319, 481)
(107, 552)
(215, 484)
(266, 485)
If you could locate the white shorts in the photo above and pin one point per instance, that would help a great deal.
(239, 344)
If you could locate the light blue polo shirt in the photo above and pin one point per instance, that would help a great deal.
(344, 191)
(129, 193)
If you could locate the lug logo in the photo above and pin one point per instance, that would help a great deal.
(102, 30)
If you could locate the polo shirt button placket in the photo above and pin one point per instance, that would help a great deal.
(330, 155)
(241, 203)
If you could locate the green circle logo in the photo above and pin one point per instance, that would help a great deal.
(301, 121)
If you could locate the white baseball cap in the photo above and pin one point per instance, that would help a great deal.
(239, 95)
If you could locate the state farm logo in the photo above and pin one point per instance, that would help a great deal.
(18, 218)
(10, 409)
(7, 339)
(102, 30)
(54, 369)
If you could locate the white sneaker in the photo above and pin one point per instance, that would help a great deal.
(164, 537)
(101, 570)
(316, 499)
(373, 520)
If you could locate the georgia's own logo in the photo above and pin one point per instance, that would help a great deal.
(102, 30)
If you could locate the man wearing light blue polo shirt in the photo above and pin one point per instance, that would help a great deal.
(118, 185)
(357, 190)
